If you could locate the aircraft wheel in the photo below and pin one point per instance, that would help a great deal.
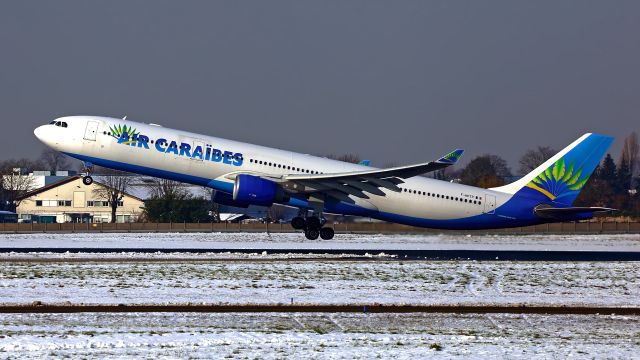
(326, 233)
(312, 234)
(87, 180)
(313, 223)
(297, 223)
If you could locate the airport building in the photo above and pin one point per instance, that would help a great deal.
(69, 200)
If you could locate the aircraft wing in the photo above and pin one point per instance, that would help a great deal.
(361, 183)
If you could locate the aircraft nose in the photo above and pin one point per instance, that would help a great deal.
(39, 132)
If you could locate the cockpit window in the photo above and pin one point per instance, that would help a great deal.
(59, 123)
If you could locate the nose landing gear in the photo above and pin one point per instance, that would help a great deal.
(87, 169)
(313, 227)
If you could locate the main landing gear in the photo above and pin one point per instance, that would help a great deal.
(313, 227)
(87, 169)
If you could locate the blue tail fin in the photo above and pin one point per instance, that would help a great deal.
(561, 178)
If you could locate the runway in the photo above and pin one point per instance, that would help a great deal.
(313, 308)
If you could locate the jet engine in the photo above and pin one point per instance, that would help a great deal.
(224, 198)
(257, 191)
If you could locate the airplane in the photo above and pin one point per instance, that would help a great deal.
(244, 174)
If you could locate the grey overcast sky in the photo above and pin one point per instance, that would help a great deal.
(393, 81)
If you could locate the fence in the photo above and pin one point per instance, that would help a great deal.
(602, 227)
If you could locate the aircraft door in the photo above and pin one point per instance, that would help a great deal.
(91, 130)
(489, 204)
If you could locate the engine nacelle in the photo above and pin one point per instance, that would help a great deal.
(256, 191)
(224, 198)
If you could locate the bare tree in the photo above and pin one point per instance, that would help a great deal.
(534, 158)
(485, 171)
(629, 156)
(15, 184)
(215, 207)
(351, 158)
(166, 189)
(54, 160)
(112, 188)
(276, 212)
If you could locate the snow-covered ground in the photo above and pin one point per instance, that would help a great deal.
(334, 336)
(320, 282)
(233, 278)
(626, 242)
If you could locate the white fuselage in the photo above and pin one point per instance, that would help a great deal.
(420, 198)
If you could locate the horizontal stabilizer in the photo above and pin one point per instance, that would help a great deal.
(553, 213)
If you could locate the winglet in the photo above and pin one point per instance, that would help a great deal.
(451, 158)
(365, 162)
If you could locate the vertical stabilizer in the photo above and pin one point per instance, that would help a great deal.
(561, 178)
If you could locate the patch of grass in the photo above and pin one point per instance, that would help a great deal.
(318, 330)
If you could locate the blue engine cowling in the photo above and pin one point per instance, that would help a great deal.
(224, 198)
(256, 191)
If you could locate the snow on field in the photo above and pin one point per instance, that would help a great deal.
(335, 336)
(621, 242)
(321, 282)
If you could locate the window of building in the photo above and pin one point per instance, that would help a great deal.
(47, 203)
